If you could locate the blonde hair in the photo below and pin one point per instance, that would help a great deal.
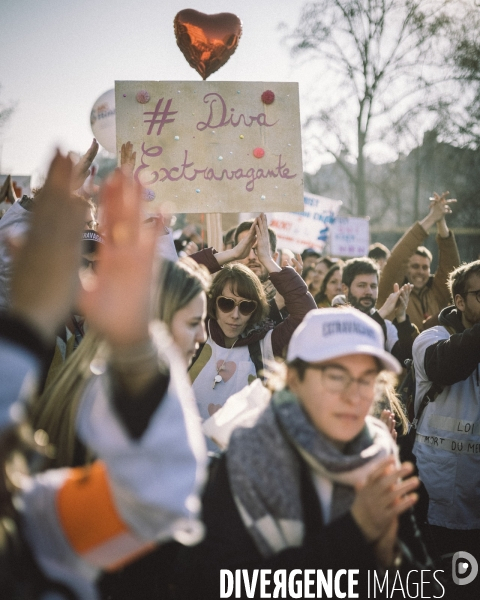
(56, 410)
(387, 398)
(178, 284)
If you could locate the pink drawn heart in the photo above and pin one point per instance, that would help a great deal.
(226, 370)
(212, 408)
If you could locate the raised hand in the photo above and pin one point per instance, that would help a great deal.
(297, 264)
(82, 169)
(190, 248)
(402, 302)
(443, 205)
(439, 207)
(242, 249)
(291, 260)
(387, 310)
(45, 275)
(128, 158)
(263, 244)
(116, 300)
(90, 188)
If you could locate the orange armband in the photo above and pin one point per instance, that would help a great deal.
(91, 522)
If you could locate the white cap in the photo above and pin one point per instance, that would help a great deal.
(327, 333)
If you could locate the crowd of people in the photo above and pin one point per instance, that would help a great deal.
(124, 345)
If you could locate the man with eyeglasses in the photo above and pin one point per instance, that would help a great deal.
(448, 433)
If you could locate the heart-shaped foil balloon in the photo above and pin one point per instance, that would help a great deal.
(207, 41)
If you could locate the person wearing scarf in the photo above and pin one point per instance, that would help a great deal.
(316, 482)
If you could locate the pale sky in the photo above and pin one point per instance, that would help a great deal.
(59, 56)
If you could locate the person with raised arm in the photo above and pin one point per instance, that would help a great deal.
(44, 284)
(242, 341)
(410, 262)
(17, 219)
(447, 423)
(143, 489)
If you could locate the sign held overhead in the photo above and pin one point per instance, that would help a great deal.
(214, 147)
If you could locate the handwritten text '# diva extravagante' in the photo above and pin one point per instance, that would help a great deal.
(219, 116)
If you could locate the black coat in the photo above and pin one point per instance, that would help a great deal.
(228, 545)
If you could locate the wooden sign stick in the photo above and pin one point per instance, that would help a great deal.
(214, 231)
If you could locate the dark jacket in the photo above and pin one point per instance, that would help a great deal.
(406, 336)
(289, 284)
(228, 545)
(453, 360)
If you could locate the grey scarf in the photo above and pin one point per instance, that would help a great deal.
(264, 470)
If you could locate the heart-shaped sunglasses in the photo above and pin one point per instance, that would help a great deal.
(226, 305)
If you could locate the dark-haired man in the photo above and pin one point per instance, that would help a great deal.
(310, 257)
(228, 239)
(379, 253)
(447, 446)
(251, 261)
(276, 302)
(360, 286)
(410, 262)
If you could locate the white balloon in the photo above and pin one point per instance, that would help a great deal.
(102, 121)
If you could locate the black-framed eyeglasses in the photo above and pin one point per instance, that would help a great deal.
(476, 292)
(226, 305)
(337, 380)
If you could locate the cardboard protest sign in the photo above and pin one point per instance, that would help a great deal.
(214, 146)
(350, 236)
(307, 229)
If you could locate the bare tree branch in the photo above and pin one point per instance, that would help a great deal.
(383, 52)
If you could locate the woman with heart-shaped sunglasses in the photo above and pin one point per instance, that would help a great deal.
(242, 340)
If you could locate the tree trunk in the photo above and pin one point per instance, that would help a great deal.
(360, 185)
(418, 174)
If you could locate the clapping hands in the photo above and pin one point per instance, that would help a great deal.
(387, 493)
(440, 206)
(396, 304)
